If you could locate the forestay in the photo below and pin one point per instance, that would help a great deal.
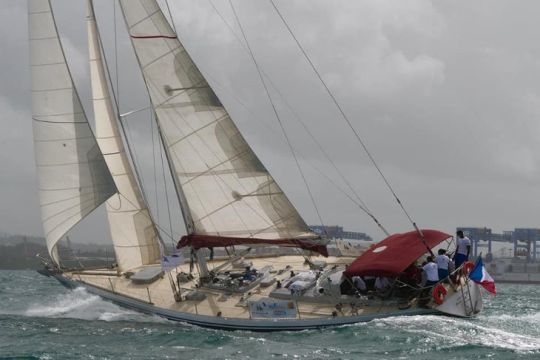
(224, 189)
(133, 232)
(73, 176)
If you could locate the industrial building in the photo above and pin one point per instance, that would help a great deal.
(523, 240)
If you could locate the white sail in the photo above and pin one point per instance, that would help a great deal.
(226, 189)
(73, 176)
(133, 233)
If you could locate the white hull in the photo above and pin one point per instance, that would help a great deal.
(232, 323)
(463, 303)
(222, 309)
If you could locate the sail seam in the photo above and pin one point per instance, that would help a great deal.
(59, 122)
(39, 12)
(47, 64)
(68, 188)
(229, 203)
(122, 211)
(43, 38)
(58, 114)
(66, 164)
(171, 50)
(145, 18)
(57, 89)
(82, 210)
(209, 170)
(196, 131)
(66, 139)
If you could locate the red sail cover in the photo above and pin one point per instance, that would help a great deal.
(200, 241)
(393, 255)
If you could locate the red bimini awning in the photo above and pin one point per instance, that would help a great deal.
(201, 241)
(393, 255)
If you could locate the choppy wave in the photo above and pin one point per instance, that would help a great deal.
(79, 304)
(449, 332)
(40, 319)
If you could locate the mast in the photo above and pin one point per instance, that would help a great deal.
(73, 176)
(133, 232)
(230, 196)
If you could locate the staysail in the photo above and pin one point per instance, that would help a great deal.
(226, 193)
(133, 233)
(73, 176)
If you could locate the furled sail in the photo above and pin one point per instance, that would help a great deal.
(73, 176)
(133, 232)
(226, 193)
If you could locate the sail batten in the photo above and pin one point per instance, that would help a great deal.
(73, 176)
(224, 189)
(133, 232)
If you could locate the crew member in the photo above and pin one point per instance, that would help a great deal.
(359, 284)
(431, 271)
(463, 248)
(442, 264)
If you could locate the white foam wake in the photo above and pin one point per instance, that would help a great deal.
(452, 332)
(79, 304)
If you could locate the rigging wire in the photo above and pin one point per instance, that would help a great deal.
(345, 117)
(277, 116)
(165, 184)
(130, 152)
(170, 16)
(359, 202)
(116, 54)
(154, 168)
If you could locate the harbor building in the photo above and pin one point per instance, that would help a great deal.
(511, 256)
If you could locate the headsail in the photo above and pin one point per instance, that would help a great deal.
(133, 232)
(73, 176)
(225, 190)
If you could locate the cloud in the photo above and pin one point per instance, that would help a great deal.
(360, 36)
(448, 106)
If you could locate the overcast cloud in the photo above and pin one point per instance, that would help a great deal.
(446, 95)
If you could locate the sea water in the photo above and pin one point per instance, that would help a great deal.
(40, 319)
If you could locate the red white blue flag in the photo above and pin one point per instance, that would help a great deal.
(480, 276)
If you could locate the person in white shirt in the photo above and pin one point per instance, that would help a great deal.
(463, 249)
(431, 271)
(443, 262)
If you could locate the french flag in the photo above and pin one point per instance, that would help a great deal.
(480, 276)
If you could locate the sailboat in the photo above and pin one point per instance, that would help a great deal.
(228, 199)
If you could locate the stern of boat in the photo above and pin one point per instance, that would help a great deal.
(463, 301)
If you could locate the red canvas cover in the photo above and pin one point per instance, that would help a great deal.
(393, 255)
(200, 241)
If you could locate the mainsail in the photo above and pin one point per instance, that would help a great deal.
(73, 176)
(226, 193)
(133, 232)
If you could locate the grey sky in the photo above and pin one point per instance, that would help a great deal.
(445, 94)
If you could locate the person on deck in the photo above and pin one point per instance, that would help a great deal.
(383, 286)
(412, 275)
(431, 271)
(359, 284)
(443, 263)
(463, 249)
(248, 274)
